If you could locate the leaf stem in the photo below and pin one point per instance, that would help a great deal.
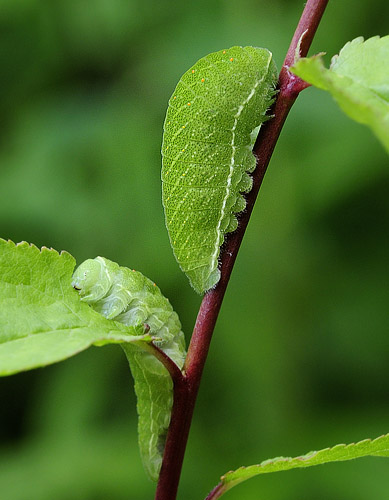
(217, 492)
(186, 388)
(167, 362)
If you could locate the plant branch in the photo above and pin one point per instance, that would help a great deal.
(185, 390)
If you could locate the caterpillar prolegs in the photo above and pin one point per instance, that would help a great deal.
(211, 124)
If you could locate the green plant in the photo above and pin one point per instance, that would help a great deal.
(51, 275)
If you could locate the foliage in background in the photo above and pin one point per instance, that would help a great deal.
(85, 89)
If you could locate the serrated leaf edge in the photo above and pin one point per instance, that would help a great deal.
(227, 482)
(310, 455)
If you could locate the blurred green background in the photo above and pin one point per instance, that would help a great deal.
(299, 359)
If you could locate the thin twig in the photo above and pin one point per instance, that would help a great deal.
(185, 391)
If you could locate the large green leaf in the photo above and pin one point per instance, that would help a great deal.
(378, 448)
(42, 319)
(358, 79)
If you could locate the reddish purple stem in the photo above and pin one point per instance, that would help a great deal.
(186, 387)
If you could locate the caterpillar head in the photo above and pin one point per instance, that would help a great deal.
(92, 280)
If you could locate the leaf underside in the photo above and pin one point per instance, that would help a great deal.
(125, 295)
(378, 447)
(358, 79)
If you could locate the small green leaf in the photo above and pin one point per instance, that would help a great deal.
(358, 79)
(42, 319)
(377, 448)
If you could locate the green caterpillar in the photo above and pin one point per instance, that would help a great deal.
(211, 124)
(127, 296)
